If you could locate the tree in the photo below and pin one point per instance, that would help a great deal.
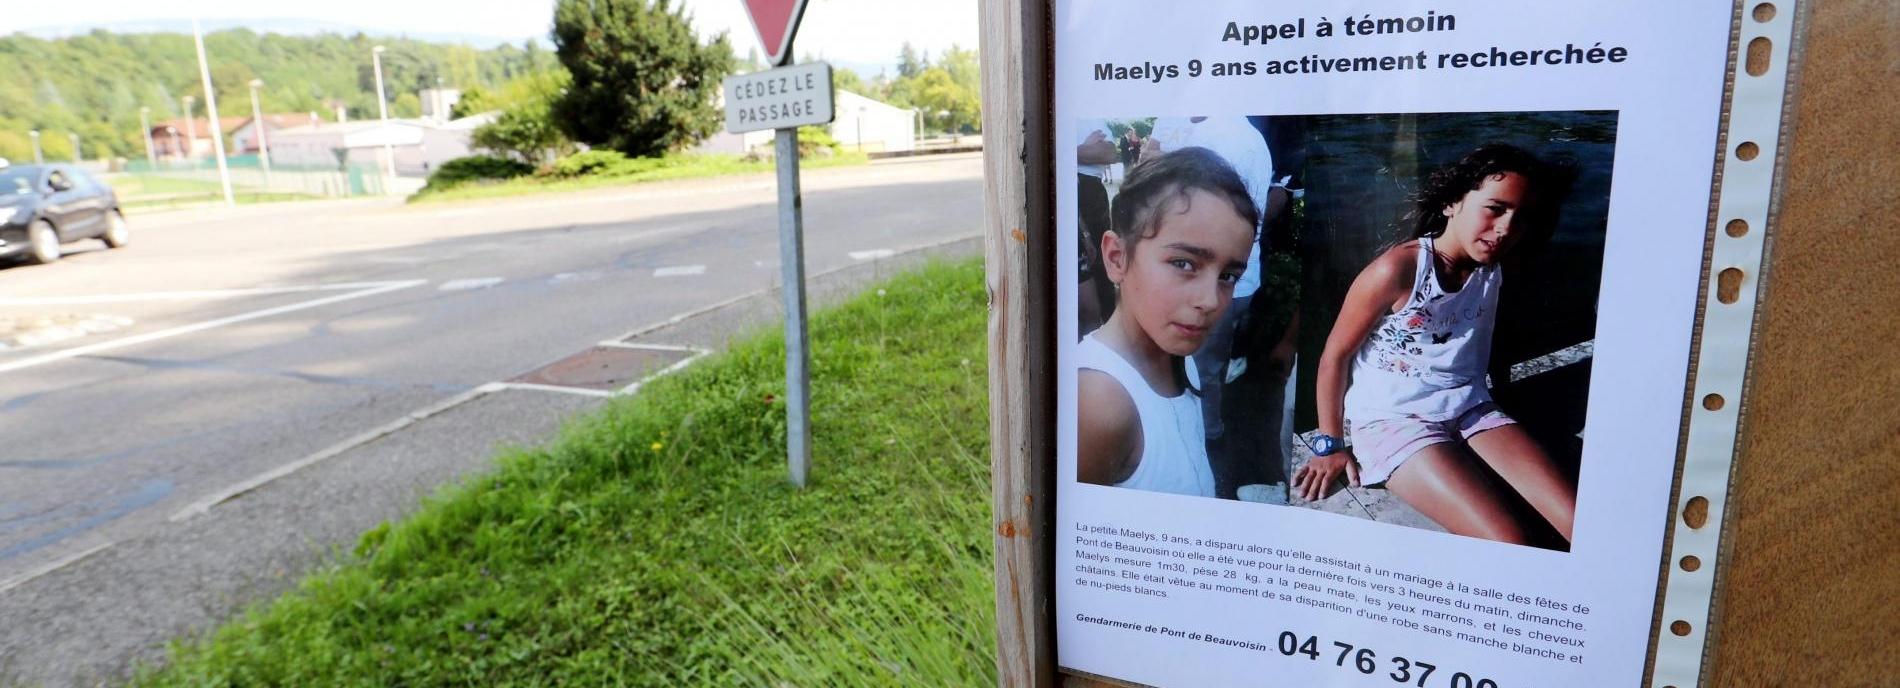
(843, 79)
(909, 63)
(642, 83)
(946, 103)
(526, 130)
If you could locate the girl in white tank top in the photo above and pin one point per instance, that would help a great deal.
(1180, 230)
(1400, 390)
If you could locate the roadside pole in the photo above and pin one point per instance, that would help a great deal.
(211, 108)
(791, 258)
(783, 99)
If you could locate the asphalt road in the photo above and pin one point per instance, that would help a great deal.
(224, 346)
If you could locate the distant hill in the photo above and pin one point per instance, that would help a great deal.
(94, 84)
(283, 25)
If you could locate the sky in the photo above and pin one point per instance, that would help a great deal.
(861, 34)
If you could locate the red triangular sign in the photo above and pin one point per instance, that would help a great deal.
(776, 21)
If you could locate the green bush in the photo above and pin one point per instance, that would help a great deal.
(815, 140)
(587, 163)
(475, 168)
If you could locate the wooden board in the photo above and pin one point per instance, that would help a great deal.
(1812, 553)
(1813, 565)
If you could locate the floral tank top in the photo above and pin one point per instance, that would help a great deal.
(1428, 359)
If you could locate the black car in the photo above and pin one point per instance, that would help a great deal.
(43, 206)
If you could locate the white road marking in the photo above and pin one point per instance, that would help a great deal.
(583, 391)
(635, 387)
(187, 295)
(227, 494)
(50, 567)
(467, 284)
(614, 344)
(679, 270)
(872, 254)
(708, 308)
(565, 277)
(200, 327)
(206, 504)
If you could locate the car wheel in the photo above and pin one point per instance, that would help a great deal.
(117, 234)
(44, 241)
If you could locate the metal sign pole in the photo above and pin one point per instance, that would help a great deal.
(791, 252)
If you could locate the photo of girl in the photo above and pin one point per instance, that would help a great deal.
(1180, 229)
(1403, 370)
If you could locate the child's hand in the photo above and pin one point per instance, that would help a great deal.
(1313, 479)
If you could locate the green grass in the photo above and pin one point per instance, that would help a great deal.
(658, 542)
(149, 191)
(638, 171)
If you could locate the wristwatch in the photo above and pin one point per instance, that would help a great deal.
(1323, 444)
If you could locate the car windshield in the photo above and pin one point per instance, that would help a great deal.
(17, 180)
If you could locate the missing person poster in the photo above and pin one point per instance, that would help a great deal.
(1375, 322)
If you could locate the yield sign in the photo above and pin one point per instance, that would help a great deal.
(776, 21)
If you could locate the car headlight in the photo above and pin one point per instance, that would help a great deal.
(17, 214)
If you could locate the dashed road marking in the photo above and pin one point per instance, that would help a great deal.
(680, 271)
(468, 284)
(384, 287)
(872, 254)
(190, 295)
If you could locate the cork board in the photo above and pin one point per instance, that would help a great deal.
(1807, 585)
(1804, 577)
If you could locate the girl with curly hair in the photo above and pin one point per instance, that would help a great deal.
(1414, 333)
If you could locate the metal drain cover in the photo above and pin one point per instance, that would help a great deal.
(603, 367)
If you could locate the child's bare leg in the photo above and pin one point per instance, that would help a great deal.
(1521, 462)
(1446, 485)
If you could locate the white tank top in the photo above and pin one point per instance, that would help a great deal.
(1173, 441)
(1428, 359)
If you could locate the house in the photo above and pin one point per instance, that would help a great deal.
(180, 138)
(244, 137)
(437, 103)
(416, 146)
(871, 126)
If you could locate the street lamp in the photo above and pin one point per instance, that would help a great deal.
(191, 126)
(75, 139)
(382, 111)
(257, 122)
(145, 124)
(38, 159)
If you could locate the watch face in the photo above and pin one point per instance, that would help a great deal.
(1324, 445)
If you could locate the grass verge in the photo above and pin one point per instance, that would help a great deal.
(151, 191)
(658, 543)
(649, 170)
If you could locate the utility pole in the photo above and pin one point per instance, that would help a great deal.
(145, 124)
(382, 111)
(211, 108)
(257, 121)
(191, 127)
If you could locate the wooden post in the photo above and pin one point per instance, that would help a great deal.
(1019, 241)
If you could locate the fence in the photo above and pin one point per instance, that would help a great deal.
(186, 182)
